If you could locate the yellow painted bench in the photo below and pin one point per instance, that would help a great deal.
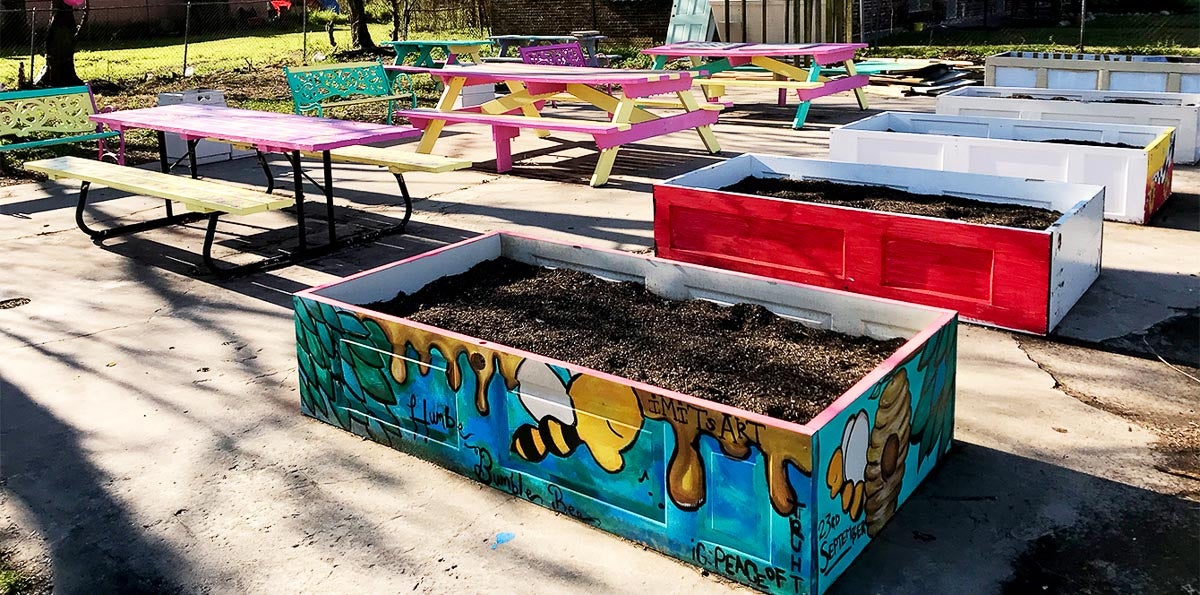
(204, 198)
(397, 160)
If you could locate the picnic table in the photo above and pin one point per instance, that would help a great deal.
(532, 85)
(587, 40)
(267, 132)
(424, 49)
(722, 58)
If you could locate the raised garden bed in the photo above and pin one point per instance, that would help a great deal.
(1137, 181)
(1143, 108)
(778, 505)
(1091, 72)
(1010, 277)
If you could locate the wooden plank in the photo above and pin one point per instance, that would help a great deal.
(200, 195)
(543, 122)
(760, 84)
(395, 158)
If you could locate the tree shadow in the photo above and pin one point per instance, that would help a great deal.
(94, 546)
(989, 521)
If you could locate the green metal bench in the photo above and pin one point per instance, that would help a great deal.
(315, 88)
(48, 117)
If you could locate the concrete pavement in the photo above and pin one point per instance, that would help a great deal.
(151, 441)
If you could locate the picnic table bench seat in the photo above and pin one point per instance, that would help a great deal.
(397, 160)
(315, 88)
(48, 117)
(419, 116)
(204, 198)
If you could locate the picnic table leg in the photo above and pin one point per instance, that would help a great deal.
(660, 62)
(621, 115)
(298, 180)
(502, 136)
(327, 166)
(434, 128)
(529, 111)
(814, 74)
(858, 93)
(706, 134)
(191, 149)
(425, 58)
(163, 165)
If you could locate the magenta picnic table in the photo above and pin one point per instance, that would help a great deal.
(723, 58)
(266, 132)
(531, 86)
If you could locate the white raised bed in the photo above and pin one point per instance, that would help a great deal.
(1137, 180)
(1181, 110)
(1116, 72)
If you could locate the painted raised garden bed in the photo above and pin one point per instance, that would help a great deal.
(1091, 72)
(1181, 110)
(1135, 168)
(780, 506)
(1022, 279)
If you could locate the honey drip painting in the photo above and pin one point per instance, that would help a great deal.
(728, 491)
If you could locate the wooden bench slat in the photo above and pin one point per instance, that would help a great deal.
(199, 195)
(46, 142)
(759, 84)
(396, 159)
(365, 100)
(539, 123)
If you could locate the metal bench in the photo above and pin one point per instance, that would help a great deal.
(48, 117)
(204, 198)
(315, 88)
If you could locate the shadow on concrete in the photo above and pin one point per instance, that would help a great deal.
(990, 521)
(1181, 211)
(1133, 313)
(93, 544)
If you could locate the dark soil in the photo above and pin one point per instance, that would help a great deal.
(891, 200)
(1122, 101)
(743, 355)
(1089, 143)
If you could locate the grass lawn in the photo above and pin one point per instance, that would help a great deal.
(263, 48)
(1146, 34)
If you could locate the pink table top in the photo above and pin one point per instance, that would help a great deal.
(718, 49)
(266, 130)
(543, 73)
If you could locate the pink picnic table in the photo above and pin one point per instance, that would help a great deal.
(723, 57)
(266, 132)
(624, 94)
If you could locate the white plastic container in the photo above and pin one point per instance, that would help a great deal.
(206, 151)
(473, 95)
(1180, 110)
(1090, 72)
(1137, 180)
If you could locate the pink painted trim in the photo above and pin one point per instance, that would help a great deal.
(821, 51)
(465, 117)
(835, 86)
(539, 73)
(659, 127)
(861, 387)
(809, 428)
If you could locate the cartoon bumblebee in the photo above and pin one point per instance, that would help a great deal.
(572, 411)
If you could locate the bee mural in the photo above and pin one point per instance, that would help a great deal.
(573, 411)
(848, 466)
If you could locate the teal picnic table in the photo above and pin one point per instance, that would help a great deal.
(424, 50)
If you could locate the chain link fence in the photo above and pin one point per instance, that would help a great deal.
(124, 39)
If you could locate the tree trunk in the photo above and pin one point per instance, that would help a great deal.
(360, 36)
(60, 49)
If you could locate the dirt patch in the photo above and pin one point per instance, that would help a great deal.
(744, 355)
(13, 303)
(1089, 143)
(1150, 550)
(891, 200)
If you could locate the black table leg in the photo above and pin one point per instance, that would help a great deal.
(191, 149)
(298, 180)
(163, 166)
(327, 164)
